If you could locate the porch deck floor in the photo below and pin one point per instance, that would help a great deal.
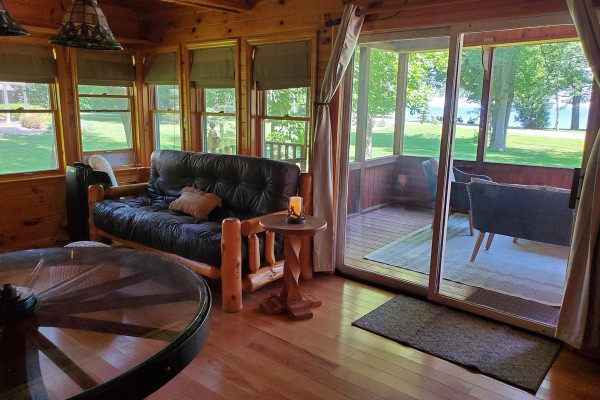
(372, 230)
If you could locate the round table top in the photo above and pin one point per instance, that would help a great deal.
(276, 223)
(102, 322)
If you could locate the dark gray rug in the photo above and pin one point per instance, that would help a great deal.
(508, 354)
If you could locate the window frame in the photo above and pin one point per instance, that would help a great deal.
(130, 97)
(202, 114)
(56, 112)
(488, 49)
(263, 116)
(155, 111)
(257, 103)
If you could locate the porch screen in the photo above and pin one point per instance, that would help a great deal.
(25, 63)
(104, 69)
(161, 69)
(282, 65)
(213, 68)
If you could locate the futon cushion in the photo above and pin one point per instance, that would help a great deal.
(251, 185)
(151, 223)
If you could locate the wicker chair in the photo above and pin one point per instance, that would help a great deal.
(536, 213)
(459, 199)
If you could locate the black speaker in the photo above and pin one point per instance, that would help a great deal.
(79, 177)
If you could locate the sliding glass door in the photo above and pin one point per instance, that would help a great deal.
(395, 134)
(460, 161)
(505, 219)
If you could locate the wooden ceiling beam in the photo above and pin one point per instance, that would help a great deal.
(219, 5)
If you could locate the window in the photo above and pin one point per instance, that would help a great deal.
(161, 74)
(213, 74)
(28, 112)
(282, 73)
(218, 120)
(539, 105)
(398, 98)
(105, 103)
(286, 125)
(166, 117)
(105, 118)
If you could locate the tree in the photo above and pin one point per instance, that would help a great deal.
(425, 79)
(529, 79)
(288, 103)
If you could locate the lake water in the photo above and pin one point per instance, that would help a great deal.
(467, 112)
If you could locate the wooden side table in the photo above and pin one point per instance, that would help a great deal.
(290, 299)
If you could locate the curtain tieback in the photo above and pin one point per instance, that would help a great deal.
(321, 104)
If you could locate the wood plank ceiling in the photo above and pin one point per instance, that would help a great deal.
(219, 5)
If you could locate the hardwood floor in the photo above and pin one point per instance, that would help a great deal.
(252, 356)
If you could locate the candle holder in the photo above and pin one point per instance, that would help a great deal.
(292, 217)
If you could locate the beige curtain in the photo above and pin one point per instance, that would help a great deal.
(341, 55)
(579, 320)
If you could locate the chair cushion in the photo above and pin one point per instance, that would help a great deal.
(196, 203)
(435, 165)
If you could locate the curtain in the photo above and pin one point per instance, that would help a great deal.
(579, 320)
(105, 69)
(161, 69)
(343, 49)
(25, 63)
(282, 65)
(213, 68)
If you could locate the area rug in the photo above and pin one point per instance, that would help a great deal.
(526, 269)
(517, 357)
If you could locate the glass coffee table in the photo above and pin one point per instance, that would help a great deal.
(96, 323)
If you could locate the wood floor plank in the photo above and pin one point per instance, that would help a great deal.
(253, 356)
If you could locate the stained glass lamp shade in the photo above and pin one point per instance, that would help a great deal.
(85, 26)
(8, 26)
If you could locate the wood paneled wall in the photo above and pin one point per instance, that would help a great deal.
(33, 210)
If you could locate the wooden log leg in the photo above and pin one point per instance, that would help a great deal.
(477, 245)
(515, 239)
(471, 230)
(231, 265)
(489, 241)
(95, 194)
(270, 248)
(253, 253)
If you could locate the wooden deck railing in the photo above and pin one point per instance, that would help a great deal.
(290, 152)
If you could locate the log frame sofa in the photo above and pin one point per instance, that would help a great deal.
(233, 230)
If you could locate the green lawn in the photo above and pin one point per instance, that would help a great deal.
(522, 146)
(25, 153)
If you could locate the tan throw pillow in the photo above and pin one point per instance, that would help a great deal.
(196, 203)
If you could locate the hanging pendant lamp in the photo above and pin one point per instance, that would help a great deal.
(85, 26)
(8, 26)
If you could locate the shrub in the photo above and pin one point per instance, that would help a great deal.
(34, 121)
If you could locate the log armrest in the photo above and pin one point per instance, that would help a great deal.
(135, 189)
(252, 225)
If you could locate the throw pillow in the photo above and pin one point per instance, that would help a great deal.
(196, 203)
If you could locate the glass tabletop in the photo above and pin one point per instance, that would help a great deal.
(96, 322)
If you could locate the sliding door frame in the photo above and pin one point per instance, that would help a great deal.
(446, 162)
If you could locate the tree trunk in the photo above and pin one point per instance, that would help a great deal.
(575, 106)
(556, 100)
(504, 85)
(369, 145)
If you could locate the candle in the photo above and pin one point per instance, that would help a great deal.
(295, 206)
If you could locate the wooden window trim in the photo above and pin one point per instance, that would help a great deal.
(55, 110)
